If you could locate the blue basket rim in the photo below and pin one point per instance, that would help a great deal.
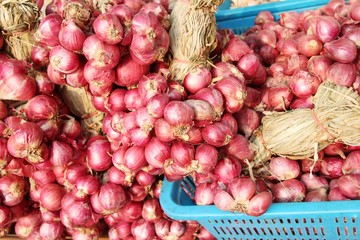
(276, 210)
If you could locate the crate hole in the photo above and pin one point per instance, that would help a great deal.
(270, 231)
(297, 220)
(243, 221)
(315, 231)
(285, 231)
(235, 230)
(251, 221)
(216, 221)
(304, 220)
(230, 232)
(223, 221)
(256, 231)
(320, 220)
(345, 220)
(289, 220)
(312, 220)
(278, 231)
(354, 231)
(223, 231)
(263, 231)
(307, 230)
(217, 231)
(353, 220)
(292, 230)
(242, 231)
(346, 229)
(258, 221)
(300, 231)
(338, 231)
(322, 230)
(336, 220)
(281, 221)
(249, 231)
(229, 221)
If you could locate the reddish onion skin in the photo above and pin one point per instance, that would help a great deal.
(98, 153)
(26, 224)
(326, 28)
(112, 197)
(142, 229)
(48, 30)
(41, 107)
(150, 85)
(313, 181)
(291, 190)
(259, 204)
(178, 113)
(126, 74)
(157, 152)
(71, 36)
(317, 195)
(351, 164)
(197, 79)
(63, 60)
(40, 55)
(18, 86)
(12, 189)
(239, 147)
(51, 195)
(318, 66)
(343, 74)
(331, 167)
(304, 85)
(247, 120)
(235, 49)
(349, 185)
(227, 169)
(309, 45)
(108, 28)
(342, 50)
(280, 98)
(217, 134)
(282, 168)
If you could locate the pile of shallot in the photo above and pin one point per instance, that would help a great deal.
(57, 181)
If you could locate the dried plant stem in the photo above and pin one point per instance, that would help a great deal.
(300, 133)
(192, 35)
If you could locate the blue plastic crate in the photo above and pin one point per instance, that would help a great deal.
(293, 221)
(241, 19)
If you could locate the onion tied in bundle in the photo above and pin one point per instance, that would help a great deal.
(18, 19)
(301, 133)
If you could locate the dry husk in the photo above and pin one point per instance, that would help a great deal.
(79, 103)
(192, 35)
(300, 133)
(18, 20)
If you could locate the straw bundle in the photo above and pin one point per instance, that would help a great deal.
(18, 19)
(192, 35)
(79, 102)
(301, 133)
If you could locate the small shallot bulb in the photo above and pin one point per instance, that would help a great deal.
(178, 113)
(41, 107)
(108, 28)
(27, 223)
(87, 185)
(291, 190)
(235, 49)
(352, 163)
(227, 169)
(112, 197)
(304, 85)
(217, 134)
(51, 195)
(197, 79)
(152, 210)
(282, 168)
(204, 193)
(63, 60)
(349, 185)
(342, 50)
(309, 45)
(157, 152)
(98, 153)
(12, 189)
(71, 36)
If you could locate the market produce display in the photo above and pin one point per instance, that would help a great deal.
(114, 96)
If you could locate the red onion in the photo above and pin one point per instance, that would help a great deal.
(343, 74)
(182, 153)
(87, 185)
(234, 92)
(144, 178)
(157, 152)
(108, 28)
(98, 153)
(223, 200)
(282, 168)
(206, 158)
(178, 113)
(335, 149)
(326, 28)
(176, 91)
(313, 181)
(42, 177)
(51, 195)
(142, 229)
(40, 55)
(26, 143)
(5, 156)
(268, 54)
(203, 112)
(318, 66)
(226, 69)
(227, 169)
(259, 204)
(318, 195)
(125, 15)
(160, 11)
(197, 79)
(280, 98)
(63, 60)
(235, 49)
(12, 189)
(242, 189)
(332, 167)
(349, 185)
(102, 55)
(48, 30)
(71, 36)
(137, 192)
(263, 17)
(291, 190)
(217, 134)
(133, 100)
(73, 172)
(71, 128)
(304, 85)
(205, 193)
(115, 101)
(354, 11)
(26, 224)
(121, 177)
(85, 233)
(247, 120)
(309, 45)
(56, 76)
(54, 230)
(77, 78)
(134, 158)
(150, 85)
(239, 147)
(214, 97)
(351, 163)
(134, 5)
(156, 105)
(5, 216)
(248, 65)
(267, 37)
(342, 50)
(60, 153)
(112, 197)
(41, 107)
(336, 195)
(126, 76)
(17, 86)
(152, 211)
(354, 35)
(289, 20)
(287, 46)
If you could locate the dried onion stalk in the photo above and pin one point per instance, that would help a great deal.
(192, 35)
